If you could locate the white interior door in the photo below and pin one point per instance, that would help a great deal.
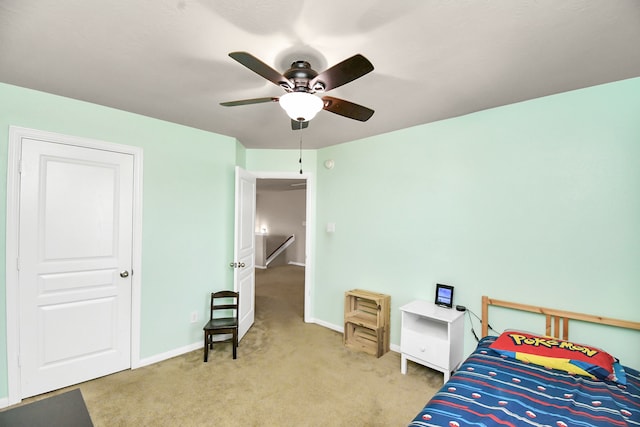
(244, 277)
(75, 258)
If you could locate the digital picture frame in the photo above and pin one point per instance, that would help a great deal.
(444, 295)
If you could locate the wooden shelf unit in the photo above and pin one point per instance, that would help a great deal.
(366, 321)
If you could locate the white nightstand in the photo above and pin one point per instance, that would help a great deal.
(432, 336)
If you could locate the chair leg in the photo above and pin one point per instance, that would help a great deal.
(235, 343)
(206, 347)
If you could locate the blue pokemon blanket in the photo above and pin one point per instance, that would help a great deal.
(490, 389)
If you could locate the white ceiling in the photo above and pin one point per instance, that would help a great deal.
(433, 59)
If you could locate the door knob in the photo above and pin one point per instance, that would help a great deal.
(241, 264)
(233, 264)
(124, 273)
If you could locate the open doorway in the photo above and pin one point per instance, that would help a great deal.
(281, 241)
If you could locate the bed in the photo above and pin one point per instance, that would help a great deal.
(517, 379)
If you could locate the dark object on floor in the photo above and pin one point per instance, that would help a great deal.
(62, 410)
(220, 305)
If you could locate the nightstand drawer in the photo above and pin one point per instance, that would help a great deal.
(430, 350)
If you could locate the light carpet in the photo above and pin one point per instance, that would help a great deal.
(288, 373)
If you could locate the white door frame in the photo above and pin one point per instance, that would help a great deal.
(16, 134)
(309, 232)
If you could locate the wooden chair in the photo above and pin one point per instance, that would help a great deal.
(217, 325)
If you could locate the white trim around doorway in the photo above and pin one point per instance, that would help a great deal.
(309, 232)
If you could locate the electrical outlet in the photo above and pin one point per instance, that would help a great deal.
(194, 316)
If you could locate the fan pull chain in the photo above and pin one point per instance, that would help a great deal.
(300, 160)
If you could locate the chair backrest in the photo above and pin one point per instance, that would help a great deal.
(225, 300)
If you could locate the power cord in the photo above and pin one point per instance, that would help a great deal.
(473, 331)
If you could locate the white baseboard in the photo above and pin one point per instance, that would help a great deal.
(329, 325)
(198, 345)
(4, 402)
(261, 267)
(168, 355)
(299, 264)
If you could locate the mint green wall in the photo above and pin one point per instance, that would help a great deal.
(241, 155)
(187, 209)
(537, 202)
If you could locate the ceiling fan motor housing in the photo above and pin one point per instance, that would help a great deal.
(300, 74)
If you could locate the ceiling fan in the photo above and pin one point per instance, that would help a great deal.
(301, 83)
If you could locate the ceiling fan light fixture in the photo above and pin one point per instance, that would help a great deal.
(301, 106)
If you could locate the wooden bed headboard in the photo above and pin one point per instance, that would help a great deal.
(557, 321)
